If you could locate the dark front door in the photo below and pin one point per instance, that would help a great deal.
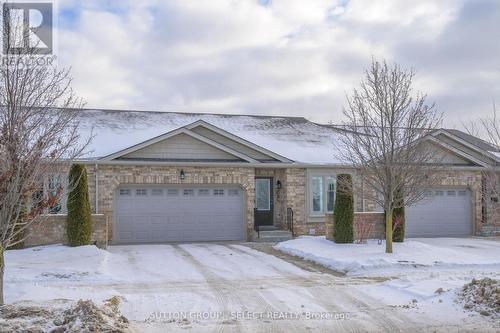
(264, 208)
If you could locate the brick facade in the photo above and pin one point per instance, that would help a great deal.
(296, 192)
(295, 197)
(111, 177)
(51, 229)
(293, 194)
(376, 219)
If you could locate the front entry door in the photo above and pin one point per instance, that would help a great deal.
(264, 208)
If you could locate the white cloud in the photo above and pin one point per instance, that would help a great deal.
(285, 57)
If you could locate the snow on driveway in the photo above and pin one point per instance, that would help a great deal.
(217, 287)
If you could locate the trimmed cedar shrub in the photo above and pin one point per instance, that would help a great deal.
(398, 219)
(344, 210)
(398, 215)
(79, 220)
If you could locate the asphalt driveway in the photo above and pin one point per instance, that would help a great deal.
(233, 288)
(228, 287)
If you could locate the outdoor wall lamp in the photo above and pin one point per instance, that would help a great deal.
(182, 175)
(278, 185)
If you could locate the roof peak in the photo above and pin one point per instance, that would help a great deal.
(188, 113)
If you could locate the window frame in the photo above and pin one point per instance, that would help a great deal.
(321, 210)
(63, 182)
(327, 178)
(328, 191)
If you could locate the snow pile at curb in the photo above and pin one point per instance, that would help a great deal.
(356, 259)
(482, 296)
(63, 316)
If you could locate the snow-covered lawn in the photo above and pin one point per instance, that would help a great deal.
(421, 253)
(424, 274)
(213, 278)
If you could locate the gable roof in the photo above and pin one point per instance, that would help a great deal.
(283, 139)
(177, 132)
(474, 144)
(468, 147)
(288, 139)
(478, 142)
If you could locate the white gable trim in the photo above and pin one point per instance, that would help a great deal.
(174, 133)
(239, 140)
(465, 143)
(456, 151)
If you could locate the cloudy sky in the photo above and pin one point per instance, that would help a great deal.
(277, 57)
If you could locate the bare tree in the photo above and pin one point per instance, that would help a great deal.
(38, 134)
(383, 138)
(489, 128)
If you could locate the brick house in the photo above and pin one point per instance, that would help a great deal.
(163, 177)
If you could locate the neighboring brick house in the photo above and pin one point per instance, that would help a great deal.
(162, 177)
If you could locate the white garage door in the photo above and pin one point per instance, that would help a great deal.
(180, 214)
(445, 212)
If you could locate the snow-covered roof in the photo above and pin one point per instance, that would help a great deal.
(292, 137)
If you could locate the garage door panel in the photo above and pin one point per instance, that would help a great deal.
(125, 236)
(445, 212)
(153, 214)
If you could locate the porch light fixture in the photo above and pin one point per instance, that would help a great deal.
(182, 175)
(278, 185)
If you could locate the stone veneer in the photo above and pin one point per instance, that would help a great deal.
(471, 180)
(51, 229)
(295, 197)
(111, 177)
(292, 194)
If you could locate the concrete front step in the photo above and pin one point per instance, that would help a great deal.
(267, 228)
(274, 236)
(276, 233)
(271, 239)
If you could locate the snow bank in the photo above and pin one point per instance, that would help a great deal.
(482, 296)
(355, 259)
(63, 316)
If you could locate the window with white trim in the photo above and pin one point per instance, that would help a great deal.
(322, 190)
(54, 186)
(330, 194)
(317, 195)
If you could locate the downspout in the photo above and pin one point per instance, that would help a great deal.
(96, 169)
(363, 205)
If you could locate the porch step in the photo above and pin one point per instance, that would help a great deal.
(274, 236)
(267, 228)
